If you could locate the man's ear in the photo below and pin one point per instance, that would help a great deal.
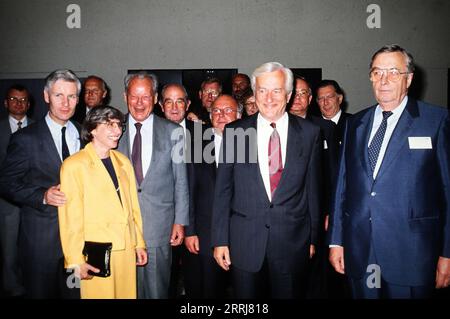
(161, 105)
(188, 103)
(341, 98)
(155, 98)
(409, 80)
(46, 97)
(125, 98)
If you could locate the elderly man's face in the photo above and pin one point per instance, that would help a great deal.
(140, 98)
(302, 98)
(209, 94)
(329, 101)
(271, 96)
(93, 93)
(62, 98)
(389, 94)
(239, 85)
(224, 110)
(174, 104)
(17, 103)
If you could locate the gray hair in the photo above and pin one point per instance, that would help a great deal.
(141, 75)
(272, 67)
(390, 48)
(65, 75)
(181, 87)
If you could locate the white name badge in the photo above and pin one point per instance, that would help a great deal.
(325, 145)
(420, 143)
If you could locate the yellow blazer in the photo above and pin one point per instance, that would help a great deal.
(93, 211)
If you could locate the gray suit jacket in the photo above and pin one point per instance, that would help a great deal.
(163, 194)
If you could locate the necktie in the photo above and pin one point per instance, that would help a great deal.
(64, 149)
(275, 159)
(136, 154)
(19, 125)
(377, 140)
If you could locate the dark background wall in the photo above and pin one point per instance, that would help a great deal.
(117, 36)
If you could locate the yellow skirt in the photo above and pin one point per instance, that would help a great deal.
(122, 282)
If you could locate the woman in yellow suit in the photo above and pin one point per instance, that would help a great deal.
(102, 206)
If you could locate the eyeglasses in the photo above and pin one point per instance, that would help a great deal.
(14, 99)
(302, 93)
(112, 125)
(213, 93)
(226, 111)
(392, 74)
(326, 97)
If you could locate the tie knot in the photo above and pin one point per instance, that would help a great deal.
(386, 114)
(19, 124)
(274, 125)
(138, 126)
(63, 130)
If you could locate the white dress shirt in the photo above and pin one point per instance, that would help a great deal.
(391, 124)
(146, 138)
(72, 136)
(335, 118)
(264, 131)
(13, 123)
(217, 145)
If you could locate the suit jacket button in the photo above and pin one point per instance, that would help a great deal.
(139, 190)
(373, 194)
(267, 226)
(271, 206)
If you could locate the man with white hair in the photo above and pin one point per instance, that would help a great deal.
(266, 206)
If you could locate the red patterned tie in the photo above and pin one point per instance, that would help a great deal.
(275, 159)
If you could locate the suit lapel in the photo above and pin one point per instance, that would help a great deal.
(100, 170)
(48, 144)
(253, 149)
(399, 139)
(362, 139)
(157, 138)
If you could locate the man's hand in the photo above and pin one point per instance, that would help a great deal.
(337, 259)
(222, 257)
(54, 197)
(192, 244)
(141, 256)
(312, 251)
(443, 273)
(177, 235)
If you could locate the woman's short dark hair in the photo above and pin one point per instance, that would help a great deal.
(97, 115)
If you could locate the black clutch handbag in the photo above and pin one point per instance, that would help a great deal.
(98, 255)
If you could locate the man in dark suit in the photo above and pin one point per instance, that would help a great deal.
(390, 222)
(174, 104)
(266, 203)
(324, 282)
(210, 89)
(29, 176)
(95, 93)
(329, 98)
(203, 277)
(17, 103)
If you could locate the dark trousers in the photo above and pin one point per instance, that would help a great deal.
(271, 281)
(365, 288)
(203, 277)
(49, 281)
